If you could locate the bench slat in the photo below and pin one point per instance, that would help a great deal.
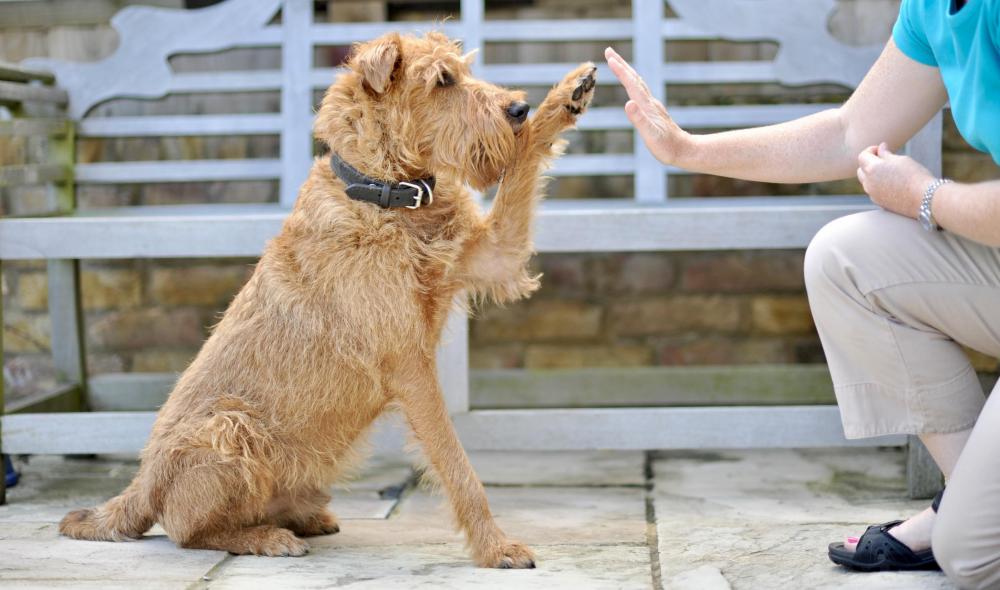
(15, 92)
(563, 226)
(270, 124)
(14, 73)
(257, 124)
(736, 427)
(178, 171)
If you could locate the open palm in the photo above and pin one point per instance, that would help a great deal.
(664, 138)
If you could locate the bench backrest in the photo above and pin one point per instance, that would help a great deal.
(807, 54)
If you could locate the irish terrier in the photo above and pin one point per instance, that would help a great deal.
(341, 319)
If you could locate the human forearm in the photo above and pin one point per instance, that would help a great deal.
(896, 98)
(970, 210)
(810, 149)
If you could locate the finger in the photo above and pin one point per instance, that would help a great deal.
(883, 150)
(630, 79)
(611, 55)
(862, 177)
(866, 159)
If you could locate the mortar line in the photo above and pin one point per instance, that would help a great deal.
(652, 535)
(209, 576)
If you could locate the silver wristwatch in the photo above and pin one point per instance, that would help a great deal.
(926, 215)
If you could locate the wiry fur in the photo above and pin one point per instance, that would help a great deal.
(342, 316)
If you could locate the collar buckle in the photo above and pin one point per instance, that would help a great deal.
(418, 199)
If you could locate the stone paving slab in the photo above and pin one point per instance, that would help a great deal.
(438, 566)
(787, 485)
(560, 468)
(589, 535)
(45, 558)
(763, 519)
(537, 516)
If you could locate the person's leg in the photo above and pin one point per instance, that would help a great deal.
(966, 538)
(945, 448)
(892, 303)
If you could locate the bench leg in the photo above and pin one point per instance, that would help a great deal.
(923, 478)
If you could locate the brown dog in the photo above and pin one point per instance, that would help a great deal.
(343, 314)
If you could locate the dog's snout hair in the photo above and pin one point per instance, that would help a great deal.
(342, 316)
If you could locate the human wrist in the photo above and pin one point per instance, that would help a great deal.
(926, 212)
(688, 151)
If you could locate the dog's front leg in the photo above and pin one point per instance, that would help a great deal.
(425, 411)
(498, 257)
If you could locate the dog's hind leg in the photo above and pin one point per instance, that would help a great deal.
(424, 408)
(218, 501)
(305, 513)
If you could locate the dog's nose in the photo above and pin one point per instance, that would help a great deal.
(518, 111)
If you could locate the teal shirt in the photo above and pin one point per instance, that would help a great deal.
(965, 46)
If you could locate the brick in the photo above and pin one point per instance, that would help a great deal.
(711, 350)
(128, 330)
(719, 350)
(508, 356)
(162, 361)
(96, 196)
(26, 333)
(743, 272)
(762, 350)
(563, 274)
(33, 291)
(781, 314)
(634, 273)
(538, 320)
(969, 167)
(205, 285)
(676, 314)
(549, 356)
(110, 288)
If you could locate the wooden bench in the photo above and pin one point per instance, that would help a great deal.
(650, 222)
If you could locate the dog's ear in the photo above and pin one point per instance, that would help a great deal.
(377, 61)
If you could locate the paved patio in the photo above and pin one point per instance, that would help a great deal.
(676, 520)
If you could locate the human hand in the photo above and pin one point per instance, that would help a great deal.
(895, 183)
(662, 136)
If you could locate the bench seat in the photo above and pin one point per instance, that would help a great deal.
(606, 225)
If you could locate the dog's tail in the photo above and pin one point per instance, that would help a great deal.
(123, 517)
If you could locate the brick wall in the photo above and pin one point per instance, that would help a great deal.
(627, 309)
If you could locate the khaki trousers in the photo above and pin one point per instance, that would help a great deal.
(892, 304)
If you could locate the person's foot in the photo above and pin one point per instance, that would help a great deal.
(915, 533)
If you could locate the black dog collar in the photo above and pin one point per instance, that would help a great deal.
(410, 194)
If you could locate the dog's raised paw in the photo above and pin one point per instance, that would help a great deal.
(585, 80)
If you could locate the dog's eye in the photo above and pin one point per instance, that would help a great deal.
(445, 79)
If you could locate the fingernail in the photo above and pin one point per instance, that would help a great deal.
(853, 539)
